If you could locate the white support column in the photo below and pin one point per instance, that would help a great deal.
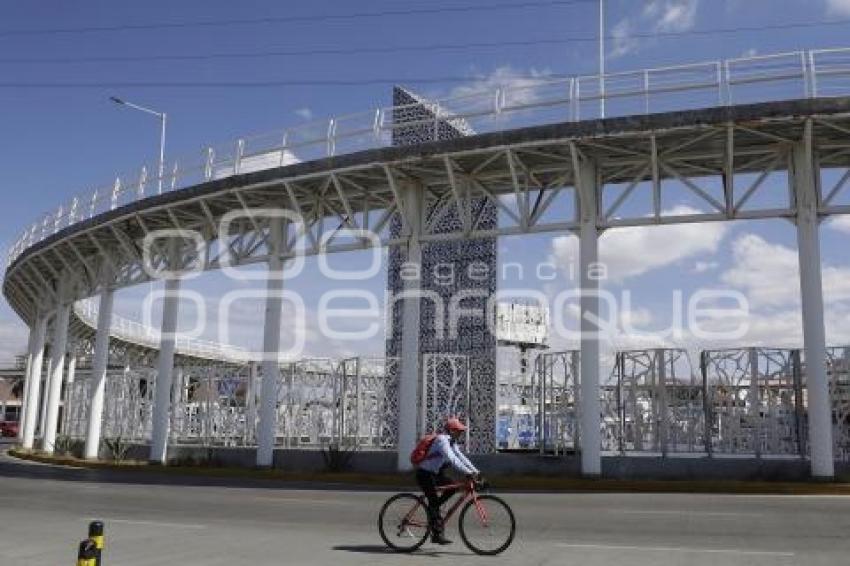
(165, 362)
(54, 384)
(27, 383)
(250, 434)
(34, 377)
(267, 427)
(411, 372)
(590, 410)
(100, 361)
(70, 376)
(42, 415)
(72, 367)
(811, 288)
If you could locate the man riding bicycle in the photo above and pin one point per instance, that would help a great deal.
(442, 453)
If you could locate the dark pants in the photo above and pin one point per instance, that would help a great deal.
(429, 482)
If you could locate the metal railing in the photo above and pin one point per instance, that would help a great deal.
(800, 74)
(137, 333)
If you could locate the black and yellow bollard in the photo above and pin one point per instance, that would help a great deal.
(96, 536)
(87, 553)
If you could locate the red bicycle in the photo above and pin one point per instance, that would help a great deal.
(487, 525)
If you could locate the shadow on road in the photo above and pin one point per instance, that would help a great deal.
(380, 549)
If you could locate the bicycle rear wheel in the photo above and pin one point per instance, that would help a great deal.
(403, 522)
(487, 525)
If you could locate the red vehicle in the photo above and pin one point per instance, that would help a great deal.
(9, 428)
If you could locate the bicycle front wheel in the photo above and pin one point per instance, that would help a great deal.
(403, 522)
(487, 525)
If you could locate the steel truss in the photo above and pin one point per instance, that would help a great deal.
(646, 167)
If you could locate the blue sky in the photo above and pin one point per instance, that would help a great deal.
(60, 140)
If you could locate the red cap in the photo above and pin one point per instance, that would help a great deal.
(454, 424)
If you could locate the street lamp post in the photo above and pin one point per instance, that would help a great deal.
(162, 119)
(601, 58)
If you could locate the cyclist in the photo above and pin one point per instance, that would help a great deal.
(442, 453)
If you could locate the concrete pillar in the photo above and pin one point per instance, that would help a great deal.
(27, 383)
(165, 363)
(590, 409)
(811, 288)
(251, 405)
(42, 416)
(100, 360)
(54, 384)
(72, 367)
(70, 376)
(411, 371)
(754, 401)
(34, 378)
(267, 426)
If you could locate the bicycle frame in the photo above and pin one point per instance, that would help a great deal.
(469, 492)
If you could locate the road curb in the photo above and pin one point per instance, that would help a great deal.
(501, 483)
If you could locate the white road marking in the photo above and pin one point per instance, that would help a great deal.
(676, 549)
(299, 500)
(106, 522)
(684, 512)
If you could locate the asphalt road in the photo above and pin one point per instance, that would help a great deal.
(44, 511)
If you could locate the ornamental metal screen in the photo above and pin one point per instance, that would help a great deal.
(555, 390)
(661, 402)
(756, 401)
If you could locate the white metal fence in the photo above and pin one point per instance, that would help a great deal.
(801, 74)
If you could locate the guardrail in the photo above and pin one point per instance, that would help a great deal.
(800, 74)
(137, 333)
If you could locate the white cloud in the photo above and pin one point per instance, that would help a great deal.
(769, 274)
(838, 7)
(633, 251)
(671, 15)
(840, 223)
(623, 43)
(515, 82)
(704, 266)
(304, 113)
(634, 318)
(657, 16)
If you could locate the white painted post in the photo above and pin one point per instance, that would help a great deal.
(72, 368)
(266, 429)
(811, 288)
(34, 377)
(165, 362)
(100, 360)
(411, 371)
(754, 401)
(590, 436)
(27, 382)
(54, 385)
(42, 416)
(70, 376)
(250, 434)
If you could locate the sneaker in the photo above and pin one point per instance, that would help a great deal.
(440, 539)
